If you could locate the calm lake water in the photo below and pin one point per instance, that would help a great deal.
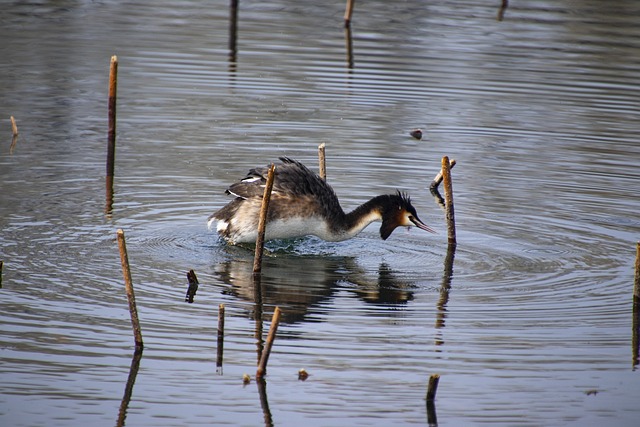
(532, 323)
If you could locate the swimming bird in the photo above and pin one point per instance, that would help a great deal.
(304, 204)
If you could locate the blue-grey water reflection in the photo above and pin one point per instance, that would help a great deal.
(531, 322)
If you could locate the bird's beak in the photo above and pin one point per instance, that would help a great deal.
(421, 225)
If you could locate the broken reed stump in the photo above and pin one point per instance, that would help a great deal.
(193, 286)
(432, 387)
(257, 259)
(126, 272)
(264, 358)
(438, 179)
(220, 336)
(322, 161)
(348, 13)
(448, 196)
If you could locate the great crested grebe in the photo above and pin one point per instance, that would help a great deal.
(303, 204)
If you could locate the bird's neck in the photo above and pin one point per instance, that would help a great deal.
(356, 220)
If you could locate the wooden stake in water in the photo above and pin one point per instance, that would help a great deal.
(322, 161)
(111, 133)
(257, 259)
(432, 387)
(220, 335)
(126, 272)
(348, 12)
(262, 365)
(448, 196)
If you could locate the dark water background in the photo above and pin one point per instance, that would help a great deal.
(540, 110)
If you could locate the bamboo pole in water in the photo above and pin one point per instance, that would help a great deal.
(322, 161)
(257, 259)
(348, 12)
(220, 335)
(126, 272)
(264, 359)
(448, 196)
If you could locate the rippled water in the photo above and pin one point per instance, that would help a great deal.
(529, 324)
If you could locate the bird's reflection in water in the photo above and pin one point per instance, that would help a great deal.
(300, 284)
(386, 290)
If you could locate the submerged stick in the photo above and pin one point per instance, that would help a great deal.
(432, 387)
(111, 134)
(262, 365)
(126, 272)
(257, 259)
(448, 196)
(438, 179)
(321, 160)
(220, 335)
(348, 12)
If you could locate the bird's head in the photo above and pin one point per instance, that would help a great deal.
(397, 211)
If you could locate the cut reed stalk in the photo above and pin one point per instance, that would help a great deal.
(322, 161)
(438, 179)
(257, 259)
(111, 133)
(220, 335)
(126, 272)
(348, 13)
(636, 282)
(14, 126)
(264, 358)
(432, 387)
(448, 196)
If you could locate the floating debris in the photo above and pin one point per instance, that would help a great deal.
(303, 374)
(416, 133)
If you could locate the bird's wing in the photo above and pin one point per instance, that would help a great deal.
(292, 178)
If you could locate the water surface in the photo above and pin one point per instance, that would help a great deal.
(530, 324)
